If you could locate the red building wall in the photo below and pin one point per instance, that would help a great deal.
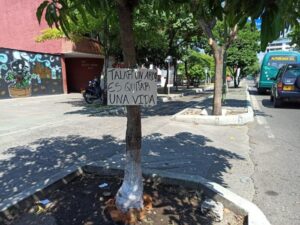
(80, 71)
(19, 27)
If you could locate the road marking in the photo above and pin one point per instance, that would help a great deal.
(261, 120)
(255, 104)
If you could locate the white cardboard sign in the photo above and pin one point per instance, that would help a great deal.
(131, 86)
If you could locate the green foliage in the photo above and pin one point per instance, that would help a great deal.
(150, 35)
(197, 62)
(243, 52)
(49, 34)
(275, 15)
(295, 36)
(40, 10)
(160, 27)
(64, 14)
(77, 21)
(163, 32)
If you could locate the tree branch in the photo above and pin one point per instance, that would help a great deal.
(207, 27)
(232, 36)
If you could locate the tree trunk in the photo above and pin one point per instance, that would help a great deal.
(167, 81)
(106, 59)
(175, 80)
(186, 75)
(105, 46)
(219, 59)
(130, 194)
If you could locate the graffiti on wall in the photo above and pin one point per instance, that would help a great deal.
(24, 74)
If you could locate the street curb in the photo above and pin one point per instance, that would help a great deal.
(239, 119)
(230, 200)
(11, 206)
(213, 190)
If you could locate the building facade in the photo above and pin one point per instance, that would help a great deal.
(281, 44)
(28, 68)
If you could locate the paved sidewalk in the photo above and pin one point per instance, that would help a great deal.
(236, 98)
(34, 147)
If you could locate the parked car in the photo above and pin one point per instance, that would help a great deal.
(286, 85)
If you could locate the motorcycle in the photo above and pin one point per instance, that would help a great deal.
(93, 92)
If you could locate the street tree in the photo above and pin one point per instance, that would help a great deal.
(59, 13)
(242, 53)
(234, 14)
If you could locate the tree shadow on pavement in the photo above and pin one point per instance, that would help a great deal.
(161, 109)
(235, 103)
(187, 153)
(24, 166)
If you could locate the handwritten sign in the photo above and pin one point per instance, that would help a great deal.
(131, 86)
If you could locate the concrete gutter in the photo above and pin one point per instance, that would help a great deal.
(239, 119)
(230, 200)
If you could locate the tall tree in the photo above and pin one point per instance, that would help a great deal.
(234, 13)
(243, 53)
(130, 195)
(208, 14)
(59, 13)
(275, 15)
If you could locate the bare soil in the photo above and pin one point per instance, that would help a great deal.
(82, 202)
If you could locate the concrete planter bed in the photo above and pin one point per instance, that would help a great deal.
(240, 208)
(230, 116)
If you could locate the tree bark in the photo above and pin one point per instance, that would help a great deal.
(130, 194)
(187, 75)
(175, 80)
(167, 81)
(218, 52)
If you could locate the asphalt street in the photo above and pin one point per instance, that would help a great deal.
(275, 151)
